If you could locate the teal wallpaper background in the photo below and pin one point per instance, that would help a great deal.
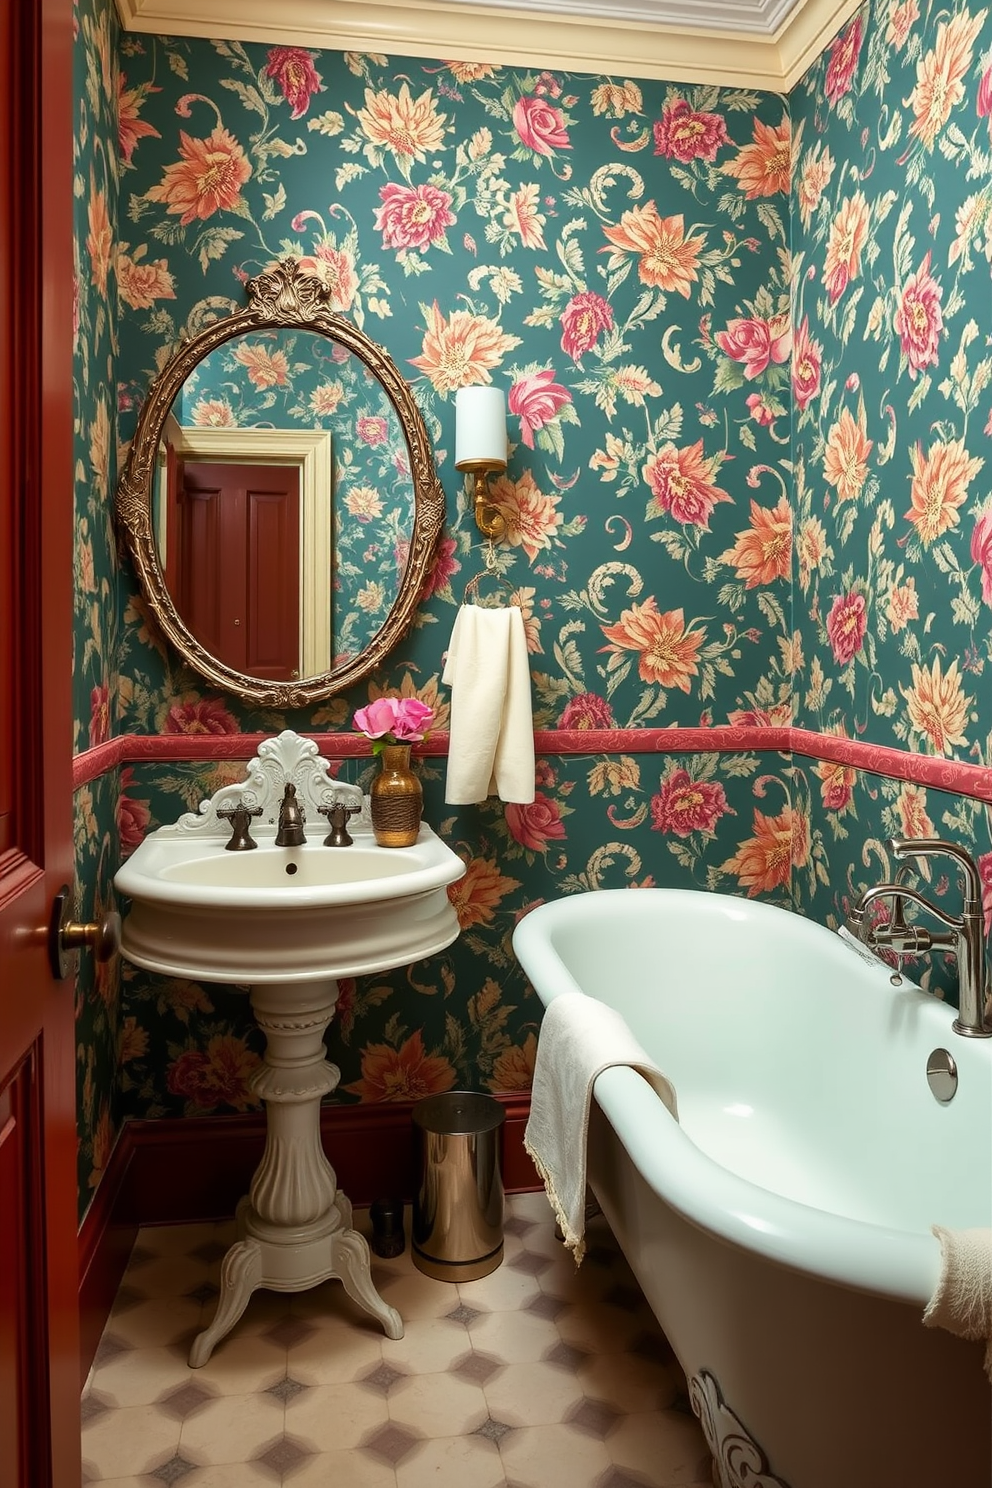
(702, 528)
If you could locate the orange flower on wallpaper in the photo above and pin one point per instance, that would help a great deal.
(668, 649)
(479, 894)
(845, 459)
(617, 99)
(764, 861)
(334, 267)
(914, 819)
(903, 604)
(130, 128)
(937, 707)
(265, 368)
(142, 281)
(132, 1041)
(668, 258)
(514, 1068)
(532, 518)
(811, 549)
(940, 73)
(764, 167)
(848, 236)
(406, 1073)
(523, 218)
(470, 72)
(411, 128)
(207, 179)
(99, 239)
(814, 178)
(837, 782)
(939, 486)
(214, 413)
(763, 553)
(461, 350)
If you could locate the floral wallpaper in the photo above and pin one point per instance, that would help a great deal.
(705, 377)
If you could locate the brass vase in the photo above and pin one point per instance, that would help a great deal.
(397, 799)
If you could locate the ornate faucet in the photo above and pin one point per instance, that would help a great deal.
(290, 831)
(964, 936)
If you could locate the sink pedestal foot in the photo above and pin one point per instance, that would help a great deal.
(294, 1226)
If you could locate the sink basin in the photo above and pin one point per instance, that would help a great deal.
(277, 914)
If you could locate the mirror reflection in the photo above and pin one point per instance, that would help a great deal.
(284, 506)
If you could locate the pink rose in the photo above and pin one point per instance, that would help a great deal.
(133, 816)
(297, 78)
(535, 825)
(413, 216)
(586, 711)
(846, 626)
(404, 719)
(985, 97)
(412, 719)
(99, 715)
(536, 399)
(981, 552)
(683, 134)
(760, 411)
(684, 805)
(918, 320)
(582, 319)
(842, 61)
(985, 873)
(372, 430)
(540, 126)
(205, 716)
(756, 342)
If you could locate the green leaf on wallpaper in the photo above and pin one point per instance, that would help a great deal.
(746, 436)
(327, 123)
(919, 393)
(413, 263)
(213, 243)
(771, 608)
(731, 596)
(350, 171)
(965, 609)
(250, 97)
(274, 203)
(729, 376)
(903, 241)
(668, 424)
(731, 205)
(177, 63)
(674, 543)
(771, 220)
(739, 765)
(850, 315)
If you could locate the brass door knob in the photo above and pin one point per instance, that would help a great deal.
(103, 937)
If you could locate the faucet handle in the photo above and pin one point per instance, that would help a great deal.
(337, 814)
(239, 816)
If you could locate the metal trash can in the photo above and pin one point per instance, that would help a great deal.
(458, 1210)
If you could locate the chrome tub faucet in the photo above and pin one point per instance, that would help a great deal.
(964, 935)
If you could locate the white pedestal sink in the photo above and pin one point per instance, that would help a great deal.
(289, 921)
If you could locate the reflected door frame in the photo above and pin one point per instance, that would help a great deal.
(311, 451)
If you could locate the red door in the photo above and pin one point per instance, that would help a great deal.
(39, 1346)
(238, 585)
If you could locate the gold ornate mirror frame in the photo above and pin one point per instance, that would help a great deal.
(283, 296)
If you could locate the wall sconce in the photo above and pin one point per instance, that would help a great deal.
(480, 448)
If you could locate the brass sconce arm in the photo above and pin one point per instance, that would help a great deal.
(488, 517)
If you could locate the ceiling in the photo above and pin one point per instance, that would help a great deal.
(766, 44)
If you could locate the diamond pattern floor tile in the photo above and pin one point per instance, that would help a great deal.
(537, 1376)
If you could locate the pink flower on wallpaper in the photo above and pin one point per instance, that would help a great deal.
(133, 816)
(837, 782)
(99, 715)
(536, 400)
(295, 75)
(985, 871)
(981, 553)
(984, 103)
(807, 358)
(541, 127)
(684, 805)
(846, 626)
(413, 216)
(918, 320)
(218, 1075)
(582, 320)
(372, 429)
(445, 565)
(756, 342)
(536, 825)
(681, 485)
(587, 710)
(684, 134)
(762, 413)
(843, 59)
(200, 716)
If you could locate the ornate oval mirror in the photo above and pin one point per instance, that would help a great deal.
(279, 500)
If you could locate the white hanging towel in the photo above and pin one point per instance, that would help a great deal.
(491, 743)
(962, 1299)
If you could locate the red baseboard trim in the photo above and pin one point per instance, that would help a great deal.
(955, 776)
(185, 1171)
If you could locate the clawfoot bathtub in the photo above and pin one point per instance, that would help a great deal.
(781, 1228)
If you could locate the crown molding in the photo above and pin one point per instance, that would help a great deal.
(679, 49)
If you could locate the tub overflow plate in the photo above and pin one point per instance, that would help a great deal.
(942, 1076)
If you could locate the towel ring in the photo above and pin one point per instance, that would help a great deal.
(491, 571)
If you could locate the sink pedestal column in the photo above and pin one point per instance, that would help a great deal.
(294, 1226)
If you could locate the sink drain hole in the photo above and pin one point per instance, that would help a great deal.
(292, 867)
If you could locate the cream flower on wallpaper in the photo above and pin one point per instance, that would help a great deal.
(848, 236)
(937, 706)
(668, 259)
(99, 238)
(940, 75)
(814, 178)
(763, 552)
(532, 518)
(845, 459)
(141, 281)
(939, 487)
(462, 349)
(265, 368)
(812, 549)
(410, 128)
(668, 649)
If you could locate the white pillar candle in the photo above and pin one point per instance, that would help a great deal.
(480, 425)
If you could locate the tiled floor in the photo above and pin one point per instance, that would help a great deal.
(537, 1376)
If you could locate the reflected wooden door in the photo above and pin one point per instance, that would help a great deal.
(239, 564)
(39, 1346)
